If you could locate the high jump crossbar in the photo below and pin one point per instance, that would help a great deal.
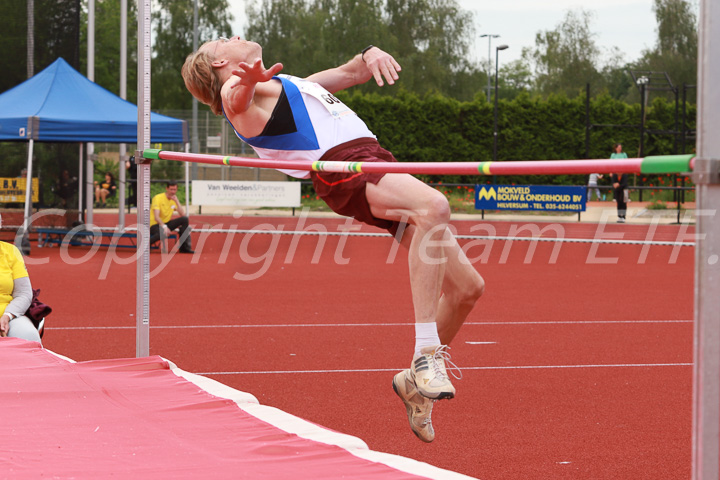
(649, 165)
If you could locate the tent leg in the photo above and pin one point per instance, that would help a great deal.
(81, 214)
(187, 182)
(122, 188)
(89, 182)
(25, 242)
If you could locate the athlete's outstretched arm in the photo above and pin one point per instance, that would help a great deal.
(374, 63)
(238, 92)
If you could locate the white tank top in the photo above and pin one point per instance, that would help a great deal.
(306, 122)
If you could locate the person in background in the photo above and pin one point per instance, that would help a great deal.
(131, 167)
(167, 213)
(593, 186)
(15, 295)
(66, 188)
(620, 184)
(618, 152)
(104, 190)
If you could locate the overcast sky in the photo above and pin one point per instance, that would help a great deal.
(627, 24)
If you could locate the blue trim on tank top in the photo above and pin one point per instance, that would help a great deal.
(303, 139)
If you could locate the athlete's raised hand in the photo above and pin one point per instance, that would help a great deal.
(381, 64)
(250, 75)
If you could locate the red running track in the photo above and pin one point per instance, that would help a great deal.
(576, 363)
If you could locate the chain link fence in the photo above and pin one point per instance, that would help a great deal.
(216, 136)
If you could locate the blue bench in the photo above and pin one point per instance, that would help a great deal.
(86, 238)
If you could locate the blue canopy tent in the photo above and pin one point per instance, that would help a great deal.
(59, 104)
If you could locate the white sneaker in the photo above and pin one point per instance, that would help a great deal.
(430, 375)
(419, 408)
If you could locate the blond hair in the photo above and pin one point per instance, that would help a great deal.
(202, 81)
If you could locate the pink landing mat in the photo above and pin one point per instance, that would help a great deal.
(144, 418)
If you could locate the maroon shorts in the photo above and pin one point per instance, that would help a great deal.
(344, 193)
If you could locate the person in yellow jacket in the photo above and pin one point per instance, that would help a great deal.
(15, 295)
(167, 214)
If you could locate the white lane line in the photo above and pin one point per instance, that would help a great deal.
(458, 236)
(333, 325)
(481, 343)
(515, 367)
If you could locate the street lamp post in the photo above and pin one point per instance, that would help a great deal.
(489, 36)
(495, 127)
(642, 83)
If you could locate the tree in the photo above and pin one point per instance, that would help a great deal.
(343, 24)
(174, 41)
(291, 31)
(57, 26)
(432, 42)
(56, 34)
(429, 38)
(514, 78)
(438, 28)
(616, 79)
(676, 50)
(107, 47)
(566, 59)
(13, 43)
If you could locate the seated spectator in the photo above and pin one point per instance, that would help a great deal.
(15, 295)
(164, 207)
(104, 190)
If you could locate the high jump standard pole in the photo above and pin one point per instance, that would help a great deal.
(142, 295)
(706, 369)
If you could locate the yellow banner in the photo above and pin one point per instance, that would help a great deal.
(12, 190)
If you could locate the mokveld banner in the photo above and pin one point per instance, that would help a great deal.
(530, 197)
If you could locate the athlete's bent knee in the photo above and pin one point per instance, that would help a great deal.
(470, 292)
(434, 211)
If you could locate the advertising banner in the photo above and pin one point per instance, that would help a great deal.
(260, 194)
(530, 197)
(12, 190)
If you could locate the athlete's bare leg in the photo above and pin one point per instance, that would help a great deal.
(445, 286)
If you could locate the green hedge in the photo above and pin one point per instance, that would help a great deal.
(435, 128)
(440, 129)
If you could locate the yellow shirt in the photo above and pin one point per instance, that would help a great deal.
(12, 266)
(166, 207)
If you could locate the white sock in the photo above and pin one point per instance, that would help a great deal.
(426, 335)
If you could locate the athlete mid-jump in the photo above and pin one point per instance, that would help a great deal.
(288, 118)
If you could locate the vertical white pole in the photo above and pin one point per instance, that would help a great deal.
(142, 304)
(706, 374)
(489, 69)
(90, 190)
(80, 186)
(195, 136)
(91, 41)
(187, 183)
(28, 187)
(30, 38)
(123, 94)
(89, 186)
